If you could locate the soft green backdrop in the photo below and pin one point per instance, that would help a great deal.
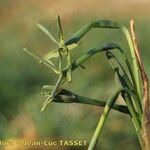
(21, 77)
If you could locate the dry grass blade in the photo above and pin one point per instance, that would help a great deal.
(146, 103)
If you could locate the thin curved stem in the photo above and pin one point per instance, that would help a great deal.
(65, 96)
(135, 64)
(135, 119)
(102, 119)
(105, 113)
(90, 53)
(124, 79)
(113, 25)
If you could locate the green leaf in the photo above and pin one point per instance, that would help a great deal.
(43, 29)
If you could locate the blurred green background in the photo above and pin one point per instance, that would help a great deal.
(21, 77)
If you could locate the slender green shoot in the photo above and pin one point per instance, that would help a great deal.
(130, 79)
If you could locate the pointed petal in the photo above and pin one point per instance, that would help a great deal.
(51, 54)
(41, 60)
(72, 46)
(60, 32)
(43, 29)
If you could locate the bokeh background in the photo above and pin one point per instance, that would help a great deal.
(21, 77)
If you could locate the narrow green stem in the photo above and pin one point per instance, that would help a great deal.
(135, 65)
(113, 25)
(92, 52)
(99, 128)
(136, 101)
(124, 79)
(136, 121)
(56, 87)
(53, 93)
(102, 120)
(66, 96)
(89, 54)
(106, 111)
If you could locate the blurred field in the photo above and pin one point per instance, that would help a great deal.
(21, 77)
